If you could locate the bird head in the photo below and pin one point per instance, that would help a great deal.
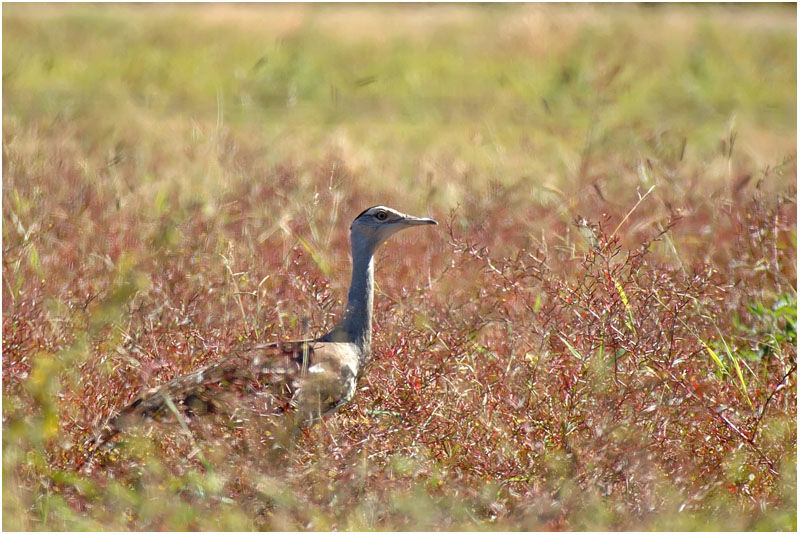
(375, 225)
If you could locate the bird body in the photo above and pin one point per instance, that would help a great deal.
(307, 378)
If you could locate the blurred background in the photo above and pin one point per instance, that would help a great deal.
(432, 100)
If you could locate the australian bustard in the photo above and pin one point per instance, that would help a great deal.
(310, 378)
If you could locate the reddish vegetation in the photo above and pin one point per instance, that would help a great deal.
(562, 382)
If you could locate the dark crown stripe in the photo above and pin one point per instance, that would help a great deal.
(367, 210)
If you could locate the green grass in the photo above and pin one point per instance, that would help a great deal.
(617, 192)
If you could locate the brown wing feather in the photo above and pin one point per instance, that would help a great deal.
(276, 367)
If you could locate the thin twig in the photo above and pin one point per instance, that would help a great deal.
(632, 210)
(766, 403)
(182, 422)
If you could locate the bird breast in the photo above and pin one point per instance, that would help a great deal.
(330, 381)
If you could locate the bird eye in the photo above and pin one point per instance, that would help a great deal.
(381, 216)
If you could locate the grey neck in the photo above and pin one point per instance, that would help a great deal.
(358, 315)
(356, 325)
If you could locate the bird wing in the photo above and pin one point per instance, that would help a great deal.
(309, 377)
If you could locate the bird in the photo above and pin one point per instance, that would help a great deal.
(302, 380)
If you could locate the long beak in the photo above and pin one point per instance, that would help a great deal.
(410, 220)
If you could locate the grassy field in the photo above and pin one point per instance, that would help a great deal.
(601, 333)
